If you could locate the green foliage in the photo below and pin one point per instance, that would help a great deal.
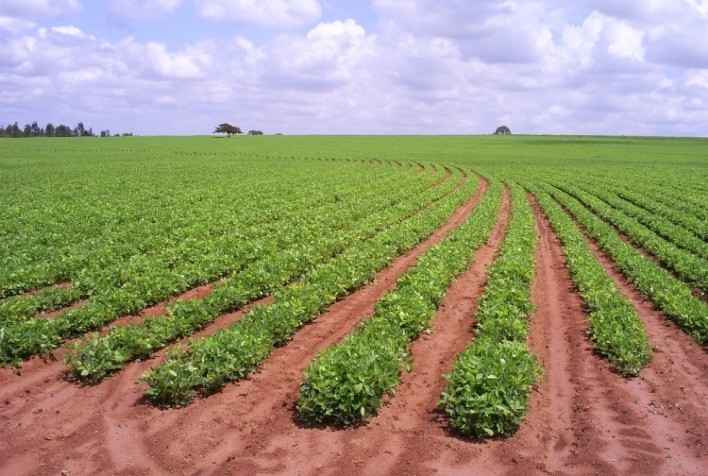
(217, 244)
(671, 296)
(487, 390)
(320, 240)
(688, 266)
(347, 382)
(616, 330)
(124, 224)
(235, 352)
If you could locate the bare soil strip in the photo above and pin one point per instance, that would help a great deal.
(671, 390)
(51, 425)
(585, 418)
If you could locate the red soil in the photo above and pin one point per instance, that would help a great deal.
(584, 419)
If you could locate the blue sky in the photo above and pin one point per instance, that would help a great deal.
(358, 67)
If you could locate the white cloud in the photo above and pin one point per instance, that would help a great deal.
(493, 31)
(68, 30)
(626, 42)
(267, 13)
(174, 65)
(326, 57)
(455, 67)
(700, 6)
(38, 8)
(14, 25)
(697, 78)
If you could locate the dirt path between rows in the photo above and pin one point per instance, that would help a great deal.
(584, 419)
(672, 390)
(51, 425)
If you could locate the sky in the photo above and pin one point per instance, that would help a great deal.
(630, 67)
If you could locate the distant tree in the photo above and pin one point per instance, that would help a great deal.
(106, 133)
(36, 130)
(27, 132)
(63, 130)
(503, 130)
(49, 130)
(255, 133)
(227, 129)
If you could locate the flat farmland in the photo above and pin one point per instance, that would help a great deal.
(354, 305)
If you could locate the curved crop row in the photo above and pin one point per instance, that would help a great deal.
(94, 359)
(201, 256)
(346, 383)
(487, 390)
(231, 354)
(688, 221)
(67, 244)
(686, 265)
(658, 224)
(615, 328)
(53, 298)
(25, 338)
(671, 296)
(667, 196)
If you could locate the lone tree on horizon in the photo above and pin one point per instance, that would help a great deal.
(227, 129)
(503, 130)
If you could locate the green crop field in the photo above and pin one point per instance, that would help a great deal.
(96, 229)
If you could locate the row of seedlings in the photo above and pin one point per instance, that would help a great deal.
(616, 330)
(673, 297)
(662, 226)
(487, 390)
(36, 335)
(347, 382)
(233, 353)
(95, 358)
(200, 253)
(76, 248)
(689, 267)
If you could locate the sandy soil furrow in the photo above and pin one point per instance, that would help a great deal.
(416, 429)
(671, 392)
(275, 436)
(594, 421)
(55, 425)
(60, 424)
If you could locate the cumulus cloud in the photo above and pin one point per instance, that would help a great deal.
(326, 57)
(267, 13)
(493, 31)
(38, 8)
(451, 67)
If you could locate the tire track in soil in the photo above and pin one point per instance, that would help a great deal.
(56, 425)
(672, 391)
(84, 425)
(584, 420)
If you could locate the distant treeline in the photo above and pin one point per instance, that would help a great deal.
(50, 130)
